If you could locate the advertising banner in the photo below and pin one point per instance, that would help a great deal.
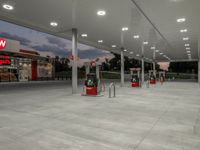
(5, 60)
(9, 45)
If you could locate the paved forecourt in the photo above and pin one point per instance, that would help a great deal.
(45, 116)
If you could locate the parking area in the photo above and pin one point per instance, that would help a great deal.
(45, 116)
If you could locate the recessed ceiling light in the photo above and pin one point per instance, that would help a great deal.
(153, 48)
(136, 36)
(114, 46)
(54, 24)
(157, 51)
(185, 38)
(181, 20)
(176, 0)
(161, 53)
(187, 48)
(125, 29)
(187, 45)
(183, 30)
(100, 41)
(101, 12)
(84, 35)
(188, 51)
(137, 55)
(145, 43)
(125, 50)
(7, 7)
(131, 53)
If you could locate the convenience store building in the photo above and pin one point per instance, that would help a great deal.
(18, 64)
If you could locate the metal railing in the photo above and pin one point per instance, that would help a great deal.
(147, 83)
(99, 87)
(112, 85)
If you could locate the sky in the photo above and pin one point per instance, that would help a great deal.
(49, 45)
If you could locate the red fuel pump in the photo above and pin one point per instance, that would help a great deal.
(135, 77)
(93, 86)
(152, 77)
(162, 77)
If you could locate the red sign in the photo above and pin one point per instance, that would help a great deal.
(5, 60)
(73, 57)
(93, 63)
(3, 43)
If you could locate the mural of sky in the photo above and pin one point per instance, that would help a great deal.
(49, 45)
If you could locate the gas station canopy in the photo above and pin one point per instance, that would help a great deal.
(171, 27)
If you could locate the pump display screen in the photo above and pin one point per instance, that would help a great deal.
(91, 81)
(135, 78)
(152, 77)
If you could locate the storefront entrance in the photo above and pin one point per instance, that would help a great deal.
(8, 74)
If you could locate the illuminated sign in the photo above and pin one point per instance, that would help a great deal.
(3, 43)
(5, 60)
(93, 63)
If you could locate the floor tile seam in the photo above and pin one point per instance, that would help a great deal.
(153, 126)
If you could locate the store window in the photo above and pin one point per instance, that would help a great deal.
(8, 69)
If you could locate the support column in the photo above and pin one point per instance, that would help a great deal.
(87, 69)
(154, 63)
(122, 67)
(122, 58)
(74, 62)
(53, 69)
(142, 63)
(199, 62)
(199, 72)
(97, 71)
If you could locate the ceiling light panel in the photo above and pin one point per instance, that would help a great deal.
(180, 20)
(101, 13)
(7, 7)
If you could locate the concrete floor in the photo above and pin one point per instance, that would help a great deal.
(45, 116)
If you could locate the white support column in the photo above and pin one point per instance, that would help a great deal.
(122, 58)
(97, 71)
(199, 62)
(87, 69)
(199, 72)
(138, 74)
(131, 73)
(142, 63)
(122, 67)
(154, 63)
(74, 62)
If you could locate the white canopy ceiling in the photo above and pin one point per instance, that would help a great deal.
(164, 34)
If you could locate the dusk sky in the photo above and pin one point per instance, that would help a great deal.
(47, 44)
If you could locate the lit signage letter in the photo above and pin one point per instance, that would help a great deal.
(5, 60)
(2, 43)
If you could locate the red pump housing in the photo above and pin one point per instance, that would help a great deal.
(91, 85)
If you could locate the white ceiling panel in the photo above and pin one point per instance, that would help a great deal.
(38, 14)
